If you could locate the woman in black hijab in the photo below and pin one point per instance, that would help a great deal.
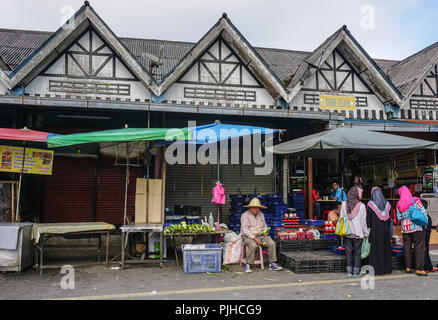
(379, 222)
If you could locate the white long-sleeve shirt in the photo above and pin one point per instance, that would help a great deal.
(251, 225)
(359, 228)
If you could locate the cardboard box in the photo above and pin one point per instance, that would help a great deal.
(154, 202)
(140, 201)
(148, 201)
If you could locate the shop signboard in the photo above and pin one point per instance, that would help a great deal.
(36, 161)
(337, 103)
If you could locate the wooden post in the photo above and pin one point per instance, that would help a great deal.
(285, 178)
(12, 202)
(163, 186)
(310, 186)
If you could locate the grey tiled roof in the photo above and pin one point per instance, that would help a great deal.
(17, 45)
(405, 73)
(385, 64)
(314, 58)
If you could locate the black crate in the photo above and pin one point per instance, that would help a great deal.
(293, 245)
(284, 260)
(337, 265)
(312, 262)
(323, 244)
(310, 266)
(398, 263)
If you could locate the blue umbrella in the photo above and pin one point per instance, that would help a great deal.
(216, 132)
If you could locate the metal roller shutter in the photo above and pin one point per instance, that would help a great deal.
(69, 190)
(111, 190)
(193, 184)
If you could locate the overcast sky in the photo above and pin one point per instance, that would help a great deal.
(390, 29)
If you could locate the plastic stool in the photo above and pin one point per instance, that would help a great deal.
(258, 257)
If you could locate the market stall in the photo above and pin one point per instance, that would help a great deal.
(215, 135)
(360, 143)
(149, 210)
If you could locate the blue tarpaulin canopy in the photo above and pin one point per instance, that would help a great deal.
(215, 132)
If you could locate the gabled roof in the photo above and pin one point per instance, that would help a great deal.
(17, 45)
(241, 46)
(370, 71)
(409, 73)
(282, 72)
(34, 62)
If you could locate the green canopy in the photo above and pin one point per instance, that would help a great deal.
(120, 135)
(351, 138)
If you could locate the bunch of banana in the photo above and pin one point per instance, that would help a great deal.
(188, 228)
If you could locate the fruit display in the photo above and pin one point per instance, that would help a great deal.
(188, 228)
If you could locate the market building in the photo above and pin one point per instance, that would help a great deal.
(83, 77)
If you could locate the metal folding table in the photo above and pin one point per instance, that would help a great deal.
(140, 228)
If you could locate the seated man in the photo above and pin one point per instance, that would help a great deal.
(338, 193)
(252, 226)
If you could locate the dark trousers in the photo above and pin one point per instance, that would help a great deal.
(353, 248)
(427, 261)
(418, 239)
(317, 208)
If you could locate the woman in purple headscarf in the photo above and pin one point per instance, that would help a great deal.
(379, 222)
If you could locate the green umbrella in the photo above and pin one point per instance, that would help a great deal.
(119, 135)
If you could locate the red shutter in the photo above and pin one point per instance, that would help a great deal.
(69, 190)
(111, 190)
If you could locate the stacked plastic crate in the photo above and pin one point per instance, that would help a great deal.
(238, 203)
(298, 203)
(277, 210)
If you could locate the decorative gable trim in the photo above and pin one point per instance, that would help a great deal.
(383, 88)
(246, 53)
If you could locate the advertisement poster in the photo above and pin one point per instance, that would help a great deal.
(337, 103)
(36, 161)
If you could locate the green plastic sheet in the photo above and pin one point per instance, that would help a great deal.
(120, 135)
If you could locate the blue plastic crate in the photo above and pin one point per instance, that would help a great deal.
(309, 222)
(175, 219)
(198, 260)
(193, 219)
(398, 253)
(329, 236)
(334, 249)
(238, 197)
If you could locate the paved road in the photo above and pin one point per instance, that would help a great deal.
(99, 282)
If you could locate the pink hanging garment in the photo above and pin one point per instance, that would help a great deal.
(218, 194)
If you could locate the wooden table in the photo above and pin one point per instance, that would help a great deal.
(174, 235)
